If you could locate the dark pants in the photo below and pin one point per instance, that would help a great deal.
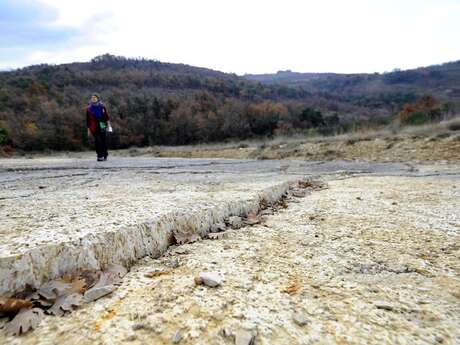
(100, 140)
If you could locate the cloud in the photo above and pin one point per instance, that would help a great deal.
(27, 23)
(239, 36)
(31, 31)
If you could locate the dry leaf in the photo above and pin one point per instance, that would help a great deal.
(66, 304)
(217, 235)
(315, 185)
(266, 212)
(186, 238)
(108, 278)
(305, 184)
(218, 227)
(54, 289)
(3, 321)
(117, 270)
(78, 286)
(68, 278)
(104, 286)
(27, 293)
(44, 302)
(235, 222)
(178, 251)
(293, 287)
(299, 193)
(24, 321)
(13, 305)
(156, 273)
(252, 219)
(282, 203)
(90, 278)
(263, 204)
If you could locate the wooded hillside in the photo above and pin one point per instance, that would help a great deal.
(150, 102)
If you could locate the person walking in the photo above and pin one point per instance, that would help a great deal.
(97, 123)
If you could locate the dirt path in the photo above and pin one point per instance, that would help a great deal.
(369, 260)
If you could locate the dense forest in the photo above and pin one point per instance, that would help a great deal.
(151, 102)
(376, 90)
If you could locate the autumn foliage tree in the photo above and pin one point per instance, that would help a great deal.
(426, 109)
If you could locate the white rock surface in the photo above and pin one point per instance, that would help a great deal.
(58, 216)
(337, 259)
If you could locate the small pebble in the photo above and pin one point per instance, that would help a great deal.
(383, 305)
(96, 293)
(244, 337)
(177, 337)
(300, 318)
(211, 279)
(131, 337)
(138, 326)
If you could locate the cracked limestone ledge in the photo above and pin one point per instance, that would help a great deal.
(125, 245)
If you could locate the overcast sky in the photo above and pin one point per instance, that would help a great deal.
(240, 36)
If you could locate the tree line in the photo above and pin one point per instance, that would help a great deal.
(154, 103)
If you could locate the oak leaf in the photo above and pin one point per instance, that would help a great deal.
(13, 305)
(66, 304)
(24, 321)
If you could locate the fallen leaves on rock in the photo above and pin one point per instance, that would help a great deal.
(312, 184)
(107, 283)
(53, 289)
(66, 304)
(117, 270)
(252, 219)
(299, 193)
(235, 222)
(267, 212)
(177, 250)
(90, 277)
(216, 235)
(58, 297)
(292, 287)
(183, 238)
(13, 305)
(305, 184)
(156, 273)
(25, 320)
(218, 227)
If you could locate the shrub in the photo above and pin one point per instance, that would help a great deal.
(416, 118)
(3, 136)
(454, 125)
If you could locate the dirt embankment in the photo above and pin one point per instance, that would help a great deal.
(419, 144)
(374, 150)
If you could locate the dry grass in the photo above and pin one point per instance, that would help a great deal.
(438, 141)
